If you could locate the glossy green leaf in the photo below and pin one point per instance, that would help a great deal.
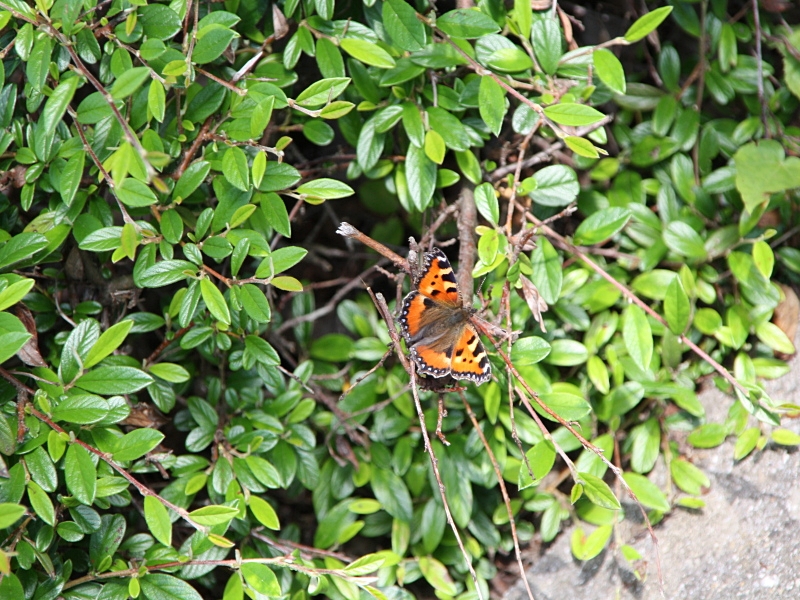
(158, 522)
(466, 23)
(80, 474)
(136, 444)
(114, 380)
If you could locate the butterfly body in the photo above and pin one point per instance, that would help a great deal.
(438, 328)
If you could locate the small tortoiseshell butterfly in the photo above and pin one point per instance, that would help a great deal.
(437, 328)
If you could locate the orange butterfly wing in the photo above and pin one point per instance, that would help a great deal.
(469, 360)
(438, 281)
(436, 326)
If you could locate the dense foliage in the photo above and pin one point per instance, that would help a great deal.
(181, 416)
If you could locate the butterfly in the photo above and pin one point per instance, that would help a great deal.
(437, 328)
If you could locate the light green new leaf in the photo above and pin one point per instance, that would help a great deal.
(235, 169)
(573, 114)
(609, 70)
(110, 340)
(326, 189)
(647, 23)
(263, 511)
(368, 53)
(598, 492)
(261, 579)
(15, 292)
(215, 301)
(213, 515)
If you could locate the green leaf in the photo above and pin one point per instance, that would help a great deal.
(401, 23)
(157, 100)
(368, 53)
(80, 474)
(609, 70)
(688, 477)
(486, 202)
(602, 225)
(167, 272)
(708, 435)
(681, 238)
(71, 177)
(235, 169)
(110, 340)
(677, 308)
(581, 146)
(746, 443)
(391, 491)
(437, 575)
(557, 185)
(329, 59)
(41, 504)
(57, 103)
(136, 444)
(326, 189)
(170, 372)
(420, 176)
(39, 63)
(492, 103)
(435, 148)
(588, 547)
(540, 458)
(214, 515)
(21, 247)
(638, 336)
(598, 492)
(566, 405)
(322, 92)
(15, 292)
(159, 586)
(263, 511)
(191, 179)
(567, 353)
(215, 302)
(82, 409)
(158, 521)
(129, 81)
(573, 114)
(546, 39)
(114, 380)
(10, 513)
(774, 337)
(212, 40)
(159, 21)
(134, 193)
(647, 23)
(529, 351)
(547, 273)
(275, 213)
(647, 492)
(261, 579)
(466, 23)
(255, 303)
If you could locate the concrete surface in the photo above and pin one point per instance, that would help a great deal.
(744, 545)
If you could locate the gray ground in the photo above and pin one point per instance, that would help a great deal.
(745, 543)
